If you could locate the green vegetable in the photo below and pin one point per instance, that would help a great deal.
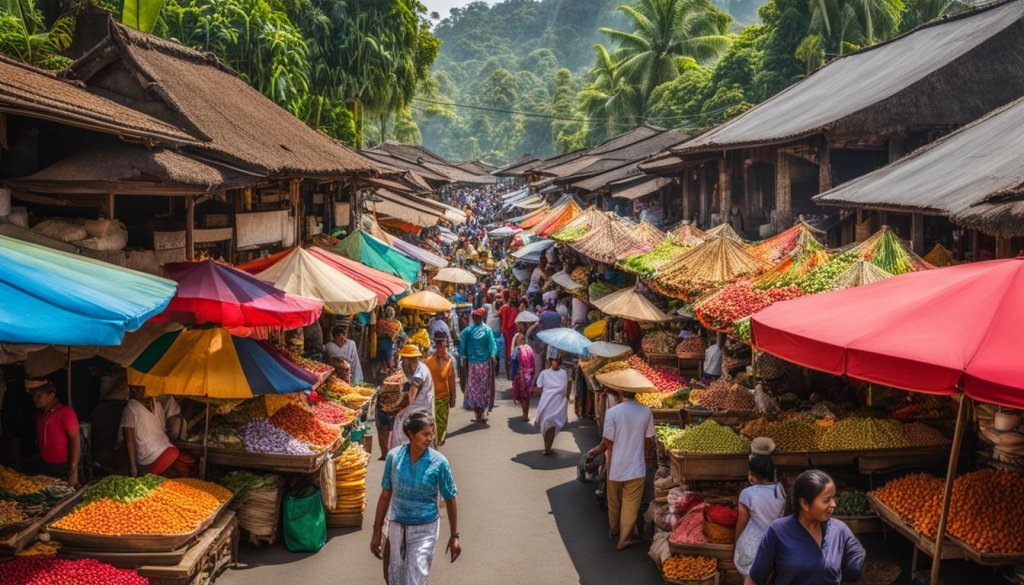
(120, 489)
(852, 503)
(243, 481)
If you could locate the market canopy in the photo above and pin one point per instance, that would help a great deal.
(213, 363)
(426, 301)
(455, 276)
(533, 251)
(303, 274)
(936, 331)
(56, 298)
(210, 292)
(628, 303)
(412, 251)
(368, 250)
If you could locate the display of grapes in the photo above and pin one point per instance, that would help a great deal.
(709, 437)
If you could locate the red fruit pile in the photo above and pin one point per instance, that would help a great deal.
(660, 379)
(51, 570)
(334, 414)
(737, 301)
(304, 426)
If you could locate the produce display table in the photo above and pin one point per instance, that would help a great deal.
(722, 417)
(722, 553)
(266, 461)
(870, 524)
(15, 537)
(889, 517)
(668, 416)
(142, 543)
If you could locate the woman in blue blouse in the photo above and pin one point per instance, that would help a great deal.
(809, 547)
(413, 476)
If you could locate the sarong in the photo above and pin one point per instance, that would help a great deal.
(522, 384)
(411, 552)
(440, 419)
(479, 386)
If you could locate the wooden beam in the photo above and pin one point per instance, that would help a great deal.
(783, 190)
(947, 488)
(190, 226)
(1004, 248)
(824, 166)
(917, 233)
(293, 195)
(724, 189)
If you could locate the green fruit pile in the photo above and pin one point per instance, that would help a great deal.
(852, 503)
(120, 488)
(667, 433)
(862, 434)
(647, 263)
(823, 277)
(795, 434)
(709, 437)
(571, 234)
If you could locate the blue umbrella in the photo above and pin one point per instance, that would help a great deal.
(565, 339)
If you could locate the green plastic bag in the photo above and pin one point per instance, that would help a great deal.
(305, 525)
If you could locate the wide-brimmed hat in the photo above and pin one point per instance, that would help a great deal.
(479, 313)
(762, 446)
(410, 351)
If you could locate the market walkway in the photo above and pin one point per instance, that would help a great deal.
(523, 518)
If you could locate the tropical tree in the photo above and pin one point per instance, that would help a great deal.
(25, 37)
(846, 25)
(663, 31)
(141, 14)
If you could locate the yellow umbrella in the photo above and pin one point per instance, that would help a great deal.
(628, 380)
(425, 301)
(455, 275)
(630, 304)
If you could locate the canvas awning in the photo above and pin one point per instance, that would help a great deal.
(301, 273)
(641, 189)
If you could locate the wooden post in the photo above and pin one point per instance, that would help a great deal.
(917, 232)
(684, 177)
(1004, 248)
(110, 206)
(190, 226)
(783, 190)
(247, 199)
(724, 189)
(702, 189)
(824, 166)
(296, 199)
(947, 491)
(71, 401)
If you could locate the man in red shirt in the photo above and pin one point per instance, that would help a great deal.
(56, 432)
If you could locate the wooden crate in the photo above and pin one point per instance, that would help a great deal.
(216, 550)
(712, 579)
(670, 416)
(266, 461)
(722, 552)
(695, 467)
(950, 550)
(862, 524)
(987, 559)
(14, 538)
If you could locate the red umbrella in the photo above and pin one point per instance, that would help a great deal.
(936, 331)
(209, 292)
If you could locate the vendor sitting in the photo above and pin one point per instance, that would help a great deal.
(145, 423)
(56, 432)
(343, 348)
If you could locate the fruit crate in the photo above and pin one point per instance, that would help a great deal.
(950, 550)
(686, 467)
(215, 551)
(266, 461)
(713, 578)
(867, 524)
(15, 537)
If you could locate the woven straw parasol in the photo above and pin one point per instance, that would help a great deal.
(630, 304)
(724, 230)
(645, 233)
(859, 273)
(606, 243)
(707, 267)
(590, 219)
(940, 256)
(627, 380)
(688, 230)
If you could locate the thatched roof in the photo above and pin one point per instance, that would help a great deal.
(516, 167)
(636, 189)
(859, 273)
(31, 92)
(975, 176)
(409, 154)
(723, 230)
(706, 267)
(944, 73)
(116, 167)
(645, 233)
(605, 243)
(195, 91)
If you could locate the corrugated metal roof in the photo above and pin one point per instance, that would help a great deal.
(963, 169)
(854, 82)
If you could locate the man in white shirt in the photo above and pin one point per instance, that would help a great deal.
(628, 439)
(713, 360)
(341, 347)
(145, 423)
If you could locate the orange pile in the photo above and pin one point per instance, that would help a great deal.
(680, 568)
(304, 426)
(986, 511)
(173, 507)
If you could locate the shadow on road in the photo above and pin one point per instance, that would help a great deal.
(470, 428)
(559, 459)
(584, 531)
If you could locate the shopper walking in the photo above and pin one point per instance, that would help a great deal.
(508, 314)
(418, 396)
(525, 369)
(414, 475)
(553, 387)
(809, 547)
(443, 371)
(628, 439)
(478, 349)
(760, 504)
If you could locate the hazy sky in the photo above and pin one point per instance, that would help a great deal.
(443, 6)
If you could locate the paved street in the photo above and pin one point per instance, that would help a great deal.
(523, 518)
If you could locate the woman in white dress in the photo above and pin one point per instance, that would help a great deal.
(553, 387)
(420, 393)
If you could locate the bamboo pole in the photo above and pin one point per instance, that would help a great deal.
(190, 226)
(947, 491)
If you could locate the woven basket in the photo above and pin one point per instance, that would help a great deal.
(719, 534)
(711, 578)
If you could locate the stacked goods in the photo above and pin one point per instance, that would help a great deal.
(916, 498)
(122, 506)
(647, 234)
(305, 426)
(823, 277)
(259, 436)
(663, 379)
(318, 369)
(659, 342)
(920, 408)
(646, 264)
(680, 568)
(391, 392)
(591, 218)
(720, 524)
(24, 498)
(709, 437)
(690, 528)
(864, 434)
(338, 392)
(741, 330)
(884, 250)
(691, 345)
(605, 243)
(852, 503)
(798, 433)
(792, 270)
(581, 275)
(666, 433)
(350, 478)
(787, 244)
(921, 435)
(614, 366)
(939, 256)
(706, 268)
(38, 548)
(45, 570)
(420, 339)
(723, 395)
(720, 310)
(333, 414)
(257, 499)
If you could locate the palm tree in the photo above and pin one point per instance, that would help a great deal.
(664, 30)
(608, 100)
(845, 25)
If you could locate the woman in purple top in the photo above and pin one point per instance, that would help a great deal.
(809, 547)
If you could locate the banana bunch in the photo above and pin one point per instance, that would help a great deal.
(18, 484)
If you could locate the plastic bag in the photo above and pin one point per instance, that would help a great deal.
(305, 524)
(682, 500)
